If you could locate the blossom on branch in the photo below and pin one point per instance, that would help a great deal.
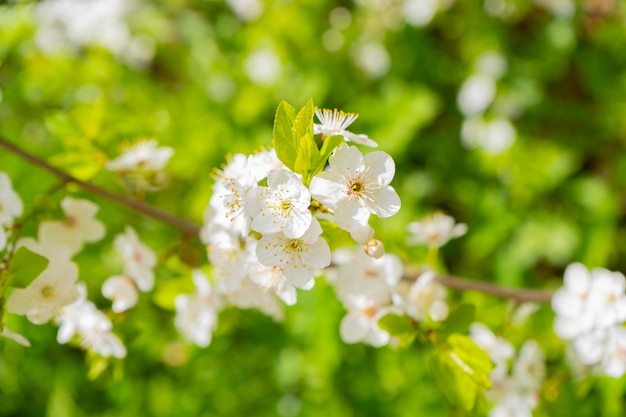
(196, 314)
(355, 187)
(122, 291)
(335, 122)
(282, 206)
(139, 260)
(435, 230)
(79, 227)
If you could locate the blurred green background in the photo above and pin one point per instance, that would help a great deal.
(541, 184)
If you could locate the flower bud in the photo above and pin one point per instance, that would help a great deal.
(374, 248)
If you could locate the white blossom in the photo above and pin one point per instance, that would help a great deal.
(361, 322)
(298, 257)
(374, 248)
(435, 230)
(80, 226)
(91, 325)
(196, 314)
(336, 122)
(499, 350)
(122, 291)
(10, 204)
(144, 156)
(139, 260)
(54, 288)
(355, 187)
(427, 299)
(282, 206)
(228, 255)
(250, 295)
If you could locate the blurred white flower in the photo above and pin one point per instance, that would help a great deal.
(263, 67)
(493, 136)
(499, 350)
(10, 204)
(139, 260)
(80, 226)
(372, 58)
(427, 299)
(122, 291)
(54, 288)
(419, 13)
(144, 156)
(92, 326)
(435, 230)
(196, 314)
(247, 10)
(361, 322)
(335, 122)
(476, 94)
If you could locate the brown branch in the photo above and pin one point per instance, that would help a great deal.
(456, 283)
(519, 295)
(132, 203)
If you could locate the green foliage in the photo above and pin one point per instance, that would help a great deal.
(461, 370)
(25, 265)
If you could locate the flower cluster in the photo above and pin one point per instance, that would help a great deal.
(435, 230)
(515, 389)
(590, 310)
(263, 224)
(46, 297)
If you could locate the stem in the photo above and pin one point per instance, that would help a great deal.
(132, 203)
(456, 283)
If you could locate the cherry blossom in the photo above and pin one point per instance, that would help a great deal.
(79, 226)
(426, 299)
(91, 325)
(196, 314)
(54, 288)
(122, 291)
(282, 206)
(229, 258)
(139, 260)
(355, 187)
(361, 322)
(10, 204)
(298, 257)
(335, 122)
(435, 230)
(144, 156)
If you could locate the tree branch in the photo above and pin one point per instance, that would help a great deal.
(461, 284)
(519, 295)
(132, 203)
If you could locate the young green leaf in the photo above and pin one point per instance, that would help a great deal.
(476, 361)
(329, 145)
(283, 138)
(25, 266)
(459, 320)
(453, 380)
(396, 325)
(303, 123)
(308, 157)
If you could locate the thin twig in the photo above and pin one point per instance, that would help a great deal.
(519, 295)
(461, 284)
(132, 203)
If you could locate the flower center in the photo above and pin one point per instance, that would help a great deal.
(47, 291)
(70, 221)
(357, 187)
(286, 205)
(295, 245)
(370, 311)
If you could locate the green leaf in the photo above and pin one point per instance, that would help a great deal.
(459, 320)
(396, 325)
(329, 145)
(283, 140)
(453, 381)
(303, 124)
(25, 266)
(308, 157)
(475, 361)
